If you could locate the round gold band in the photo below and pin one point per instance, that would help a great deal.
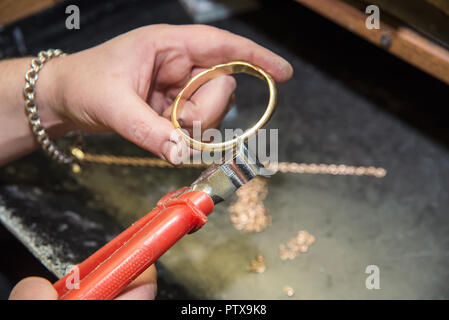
(224, 69)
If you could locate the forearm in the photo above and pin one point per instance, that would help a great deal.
(16, 137)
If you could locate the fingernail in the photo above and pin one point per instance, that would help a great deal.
(287, 69)
(181, 116)
(146, 291)
(165, 150)
(175, 153)
(154, 290)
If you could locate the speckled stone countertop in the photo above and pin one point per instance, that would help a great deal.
(349, 103)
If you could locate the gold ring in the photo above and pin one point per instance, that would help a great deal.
(224, 69)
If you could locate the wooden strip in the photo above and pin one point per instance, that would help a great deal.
(442, 5)
(12, 10)
(419, 15)
(392, 36)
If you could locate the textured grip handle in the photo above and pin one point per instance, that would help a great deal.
(165, 225)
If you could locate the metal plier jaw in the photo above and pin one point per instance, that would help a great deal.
(221, 180)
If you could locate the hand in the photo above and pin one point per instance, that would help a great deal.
(128, 84)
(144, 287)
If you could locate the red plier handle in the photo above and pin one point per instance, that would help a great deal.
(104, 274)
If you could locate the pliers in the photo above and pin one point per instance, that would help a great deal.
(105, 273)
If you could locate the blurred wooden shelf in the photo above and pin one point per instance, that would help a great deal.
(394, 35)
(13, 10)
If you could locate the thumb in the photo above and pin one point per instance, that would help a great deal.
(136, 121)
(33, 288)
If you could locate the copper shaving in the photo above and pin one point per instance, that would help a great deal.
(258, 265)
(296, 245)
(289, 291)
(248, 213)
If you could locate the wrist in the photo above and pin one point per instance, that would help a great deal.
(49, 98)
(48, 114)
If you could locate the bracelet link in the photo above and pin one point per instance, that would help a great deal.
(32, 112)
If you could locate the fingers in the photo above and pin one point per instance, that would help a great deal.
(208, 105)
(144, 287)
(133, 119)
(211, 46)
(33, 288)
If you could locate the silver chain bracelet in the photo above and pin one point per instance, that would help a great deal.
(31, 109)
